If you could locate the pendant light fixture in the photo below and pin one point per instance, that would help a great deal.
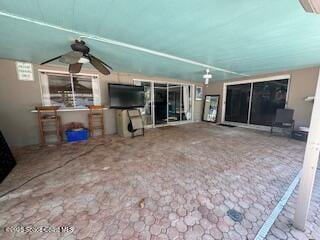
(207, 76)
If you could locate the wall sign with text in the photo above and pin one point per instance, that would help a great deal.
(24, 71)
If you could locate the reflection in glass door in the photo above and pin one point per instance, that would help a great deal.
(160, 103)
(237, 103)
(186, 103)
(267, 97)
(147, 110)
(166, 102)
(174, 100)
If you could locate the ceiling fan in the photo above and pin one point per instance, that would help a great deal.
(80, 55)
(312, 6)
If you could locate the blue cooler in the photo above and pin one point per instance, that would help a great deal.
(77, 135)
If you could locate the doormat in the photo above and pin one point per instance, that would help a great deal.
(226, 125)
(167, 127)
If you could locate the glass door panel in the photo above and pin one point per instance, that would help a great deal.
(160, 103)
(267, 97)
(174, 103)
(237, 103)
(147, 110)
(186, 103)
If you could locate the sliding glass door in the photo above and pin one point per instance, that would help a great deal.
(179, 103)
(255, 102)
(147, 111)
(186, 103)
(267, 97)
(160, 103)
(174, 103)
(166, 103)
(237, 103)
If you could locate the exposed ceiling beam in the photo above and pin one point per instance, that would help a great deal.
(117, 43)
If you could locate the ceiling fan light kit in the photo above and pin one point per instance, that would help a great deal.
(70, 57)
(83, 60)
(80, 55)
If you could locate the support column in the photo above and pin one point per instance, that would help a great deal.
(310, 164)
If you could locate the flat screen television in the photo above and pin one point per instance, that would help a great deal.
(125, 96)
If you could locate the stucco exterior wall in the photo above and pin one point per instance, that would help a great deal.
(17, 98)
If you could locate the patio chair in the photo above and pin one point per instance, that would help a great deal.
(135, 122)
(283, 119)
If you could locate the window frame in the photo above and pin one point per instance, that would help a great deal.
(70, 75)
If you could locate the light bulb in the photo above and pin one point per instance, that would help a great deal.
(83, 60)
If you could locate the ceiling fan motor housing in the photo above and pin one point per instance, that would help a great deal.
(80, 46)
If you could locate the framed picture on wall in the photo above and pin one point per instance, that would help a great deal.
(199, 93)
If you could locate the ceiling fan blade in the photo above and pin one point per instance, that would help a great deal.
(101, 61)
(71, 57)
(50, 60)
(98, 65)
(75, 68)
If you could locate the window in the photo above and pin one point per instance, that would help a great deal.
(69, 90)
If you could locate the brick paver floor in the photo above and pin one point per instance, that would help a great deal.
(283, 227)
(174, 183)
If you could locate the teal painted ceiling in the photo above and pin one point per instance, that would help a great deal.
(244, 36)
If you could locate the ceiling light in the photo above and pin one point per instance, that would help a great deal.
(207, 77)
(83, 60)
(312, 6)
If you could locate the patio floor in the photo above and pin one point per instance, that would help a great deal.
(283, 229)
(187, 177)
